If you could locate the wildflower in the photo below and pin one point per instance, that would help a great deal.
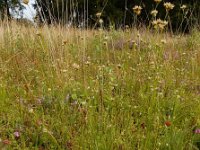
(157, 1)
(137, 9)
(26, 2)
(38, 33)
(106, 38)
(87, 63)
(30, 110)
(6, 142)
(163, 41)
(98, 14)
(64, 42)
(154, 13)
(168, 6)
(167, 123)
(101, 21)
(159, 24)
(64, 70)
(126, 26)
(16, 134)
(197, 131)
(75, 66)
(183, 7)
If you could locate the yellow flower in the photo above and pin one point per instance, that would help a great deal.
(168, 6)
(157, 1)
(163, 41)
(159, 24)
(64, 42)
(26, 2)
(154, 13)
(98, 15)
(75, 66)
(38, 33)
(101, 21)
(137, 9)
(183, 7)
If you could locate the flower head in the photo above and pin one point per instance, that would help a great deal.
(137, 9)
(157, 1)
(197, 131)
(101, 21)
(159, 24)
(167, 123)
(183, 7)
(17, 134)
(6, 142)
(154, 13)
(98, 14)
(168, 6)
(75, 66)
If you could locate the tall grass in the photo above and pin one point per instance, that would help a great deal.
(65, 88)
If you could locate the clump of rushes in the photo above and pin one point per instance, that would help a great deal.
(137, 10)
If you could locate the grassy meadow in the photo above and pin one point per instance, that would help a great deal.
(66, 88)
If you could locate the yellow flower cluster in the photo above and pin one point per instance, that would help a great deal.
(137, 10)
(183, 7)
(154, 13)
(159, 24)
(168, 6)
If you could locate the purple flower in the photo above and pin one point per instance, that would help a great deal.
(197, 131)
(16, 134)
